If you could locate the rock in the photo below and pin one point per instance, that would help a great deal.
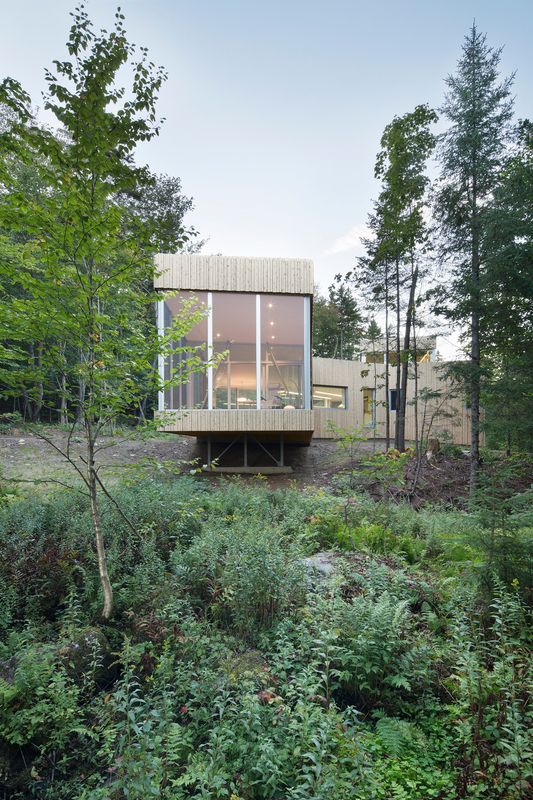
(321, 566)
(88, 656)
(8, 668)
(250, 664)
(432, 449)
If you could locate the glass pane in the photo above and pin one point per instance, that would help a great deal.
(234, 381)
(369, 407)
(282, 351)
(193, 392)
(329, 396)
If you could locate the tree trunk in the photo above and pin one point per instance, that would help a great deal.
(401, 406)
(63, 407)
(387, 414)
(415, 360)
(39, 395)
(81, 396)
(398, 350)
(475, 360)
(90, 415)
(107, 609)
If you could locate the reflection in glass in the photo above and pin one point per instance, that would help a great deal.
(234, 380)
(193, 393)
(369, 408)
(270, 350)
(282, 351)
(329, 396)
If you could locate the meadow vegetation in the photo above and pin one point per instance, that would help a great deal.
(232, 669)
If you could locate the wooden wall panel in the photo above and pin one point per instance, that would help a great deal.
(452, 419)
(199, 421)
(232, 274)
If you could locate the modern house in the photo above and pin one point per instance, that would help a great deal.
(267, 389)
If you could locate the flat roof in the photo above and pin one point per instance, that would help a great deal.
(234, 274)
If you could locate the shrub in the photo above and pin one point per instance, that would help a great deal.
(245, 577)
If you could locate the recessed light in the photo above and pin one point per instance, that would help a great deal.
(218, 335)
(272, 337)
(270, 305)
(272, 323)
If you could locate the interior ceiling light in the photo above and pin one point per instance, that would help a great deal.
(272, 322)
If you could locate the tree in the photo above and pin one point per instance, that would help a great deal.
(373, 273)
(507, 290)
(43, 394)
(337, 322)
(406, 144)
(373, 335)
(479, 107)
(88, 258)
(163, 205)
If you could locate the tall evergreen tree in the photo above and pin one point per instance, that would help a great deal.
(479, 107)
(337, 322)
(507, 291)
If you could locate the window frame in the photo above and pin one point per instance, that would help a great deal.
(344, 390)
(307, 387)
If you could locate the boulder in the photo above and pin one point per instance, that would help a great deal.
(88, 657)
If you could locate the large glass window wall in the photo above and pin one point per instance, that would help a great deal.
(234, 332)
(264, 344)
(282, 351)
(186, 387)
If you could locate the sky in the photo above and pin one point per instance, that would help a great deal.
(274, 108)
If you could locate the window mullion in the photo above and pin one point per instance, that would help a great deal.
(210, 350)
(258, 350)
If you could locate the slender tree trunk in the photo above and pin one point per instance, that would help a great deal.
(90, 416)
(402, 404)
(375, 397)
(475, 360)
(508, 436)
(63, 407)
(38, 402)
(398, 352)
(415, 361)
(81, 395)
(107, 609)
(387, 349)
(34, 398)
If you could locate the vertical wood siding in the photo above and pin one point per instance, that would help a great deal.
(453, 419)
(232, 274)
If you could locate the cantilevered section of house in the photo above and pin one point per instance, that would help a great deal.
(259, 316)
(266, 388)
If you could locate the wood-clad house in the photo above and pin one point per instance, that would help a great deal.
(268, 387)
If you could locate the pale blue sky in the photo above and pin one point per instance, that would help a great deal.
(274, 108)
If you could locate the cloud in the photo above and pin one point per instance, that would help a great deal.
(348, 241)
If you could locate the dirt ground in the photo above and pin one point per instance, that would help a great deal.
(26, 457)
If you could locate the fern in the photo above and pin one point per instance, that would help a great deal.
(397, 736)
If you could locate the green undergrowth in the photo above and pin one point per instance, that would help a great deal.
(230, 670)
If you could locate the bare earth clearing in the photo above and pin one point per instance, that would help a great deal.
(25, 457)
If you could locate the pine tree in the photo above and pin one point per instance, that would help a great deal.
(507, 290)
(479, 108)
